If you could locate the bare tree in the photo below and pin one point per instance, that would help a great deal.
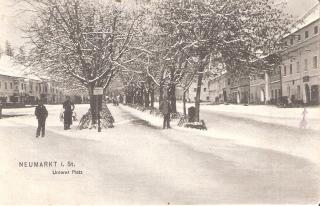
(235, 33)
(81, 40)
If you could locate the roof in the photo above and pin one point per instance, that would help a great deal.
(311, 16)
(9, 67)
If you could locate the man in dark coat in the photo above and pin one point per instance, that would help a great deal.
(68, 107)
(165, 108)
(41, 114)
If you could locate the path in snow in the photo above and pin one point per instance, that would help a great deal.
(137, 162)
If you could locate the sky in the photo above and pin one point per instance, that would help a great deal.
(10, 22)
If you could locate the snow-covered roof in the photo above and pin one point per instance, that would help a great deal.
(308, 18)
(9, 67)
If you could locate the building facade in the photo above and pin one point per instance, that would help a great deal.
(300, 66)
(297, 78)
(204, 95)
(19, 88)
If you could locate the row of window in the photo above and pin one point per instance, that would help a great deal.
(195, 89)
(306, 35)
(6, 86)
(289, 70)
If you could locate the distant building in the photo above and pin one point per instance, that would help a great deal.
(219, 88)
(297, 78)
(18, 87)
(239, 90)
(300, 66)
(204, 95)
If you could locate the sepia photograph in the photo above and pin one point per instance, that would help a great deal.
(159, 102)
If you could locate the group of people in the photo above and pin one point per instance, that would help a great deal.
(41, 113)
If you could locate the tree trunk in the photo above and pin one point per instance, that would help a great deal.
(146, 99)
(172, 96)
(93, 105)
(184, 103)
(161, 94)
(197, 100)
(152, 97)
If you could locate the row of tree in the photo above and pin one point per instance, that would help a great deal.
(152, 45)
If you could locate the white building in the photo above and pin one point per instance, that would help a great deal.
(204, 95)
(300, 66)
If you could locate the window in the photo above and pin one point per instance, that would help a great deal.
(316, 30)
(285, 71)
(36, 88)
(290, 68)
(272, 94)
(31, 86)
(5, 85)
(228, 81)
(25, 87)
(315, 62)
(306, 34)
(291, 41)
(10, 85)
(298, 92)
(195, 89)
(306, 65)
(21, 86)
(299, 37)
(204, 89)
(298, 67)
(0, 85)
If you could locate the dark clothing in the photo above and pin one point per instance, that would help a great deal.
(68, 107)
(166, 121)
(41, 113)
(41, 127)
(165, 108)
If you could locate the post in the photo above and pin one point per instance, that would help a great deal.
(98, 92)
(98, 115)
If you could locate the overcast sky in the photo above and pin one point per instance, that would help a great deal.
(9, 22)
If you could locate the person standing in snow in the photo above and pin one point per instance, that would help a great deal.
(41, 113)
(68, 107)
(165, 109)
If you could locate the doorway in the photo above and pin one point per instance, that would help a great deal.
(315, 94)
(307, 90)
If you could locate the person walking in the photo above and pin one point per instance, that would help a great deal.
(165, 108)
(41, 113)
(68, 107)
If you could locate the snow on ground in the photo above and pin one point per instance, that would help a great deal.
(269, 114)
(300, 142)
(139, 163)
